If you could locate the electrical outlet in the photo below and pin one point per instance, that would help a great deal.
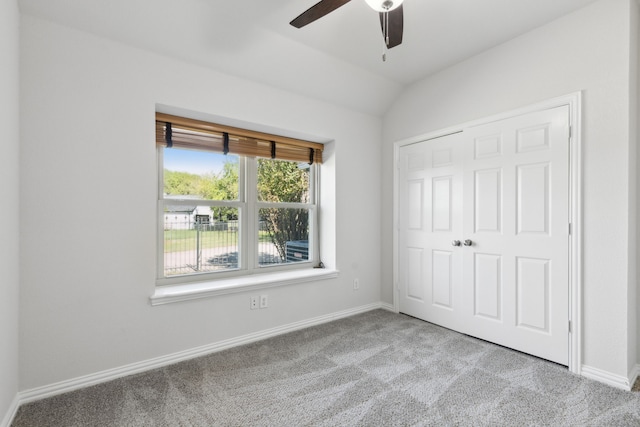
(253, 303)
(356, 284)
(264, 301)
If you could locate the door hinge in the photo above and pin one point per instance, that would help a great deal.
(570, 132)
(569, 326)
(569, 229)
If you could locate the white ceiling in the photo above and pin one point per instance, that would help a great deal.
(336, 59)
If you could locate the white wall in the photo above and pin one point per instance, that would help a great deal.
(587, 50)
(88, 140)
(9, 214)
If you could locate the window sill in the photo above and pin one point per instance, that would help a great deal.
(189, 291)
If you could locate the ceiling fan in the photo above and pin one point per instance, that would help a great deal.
(391, 17)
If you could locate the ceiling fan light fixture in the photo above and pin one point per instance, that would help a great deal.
(384, 5)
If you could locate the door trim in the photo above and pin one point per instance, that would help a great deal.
(574, 102)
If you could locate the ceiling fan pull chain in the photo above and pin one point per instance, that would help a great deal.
(384, 51)
(385, 35)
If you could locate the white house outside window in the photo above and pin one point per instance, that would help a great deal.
(233, 202)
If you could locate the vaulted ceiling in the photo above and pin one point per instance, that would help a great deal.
(337, 59)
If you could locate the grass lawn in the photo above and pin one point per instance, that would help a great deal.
(185, 240)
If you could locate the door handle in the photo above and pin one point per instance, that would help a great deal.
(455, 243)
(468, 242)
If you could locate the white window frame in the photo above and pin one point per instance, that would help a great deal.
(249, 272)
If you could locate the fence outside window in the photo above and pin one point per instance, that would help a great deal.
(200, 245)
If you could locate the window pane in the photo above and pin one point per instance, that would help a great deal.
(192, 174)
(283, 236)
(283, 181)
(196, 241)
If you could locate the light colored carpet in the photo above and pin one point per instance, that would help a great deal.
(373, 369)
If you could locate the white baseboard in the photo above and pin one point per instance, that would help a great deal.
(388, 307)
(633, 375)
(614, 380)
(146, 365)
(11, 412)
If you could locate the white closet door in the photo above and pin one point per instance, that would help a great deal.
(516, 201)
(430, 198)
(502, 190)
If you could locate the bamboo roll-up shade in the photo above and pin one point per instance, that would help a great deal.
(180, 132)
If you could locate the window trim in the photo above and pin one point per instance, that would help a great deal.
(249, 267)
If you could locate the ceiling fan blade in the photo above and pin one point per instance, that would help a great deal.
(396, 25)
(317, 11)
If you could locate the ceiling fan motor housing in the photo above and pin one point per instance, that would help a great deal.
(383, 5)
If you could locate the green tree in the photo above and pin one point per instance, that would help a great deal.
(222, 186)
(181, 183)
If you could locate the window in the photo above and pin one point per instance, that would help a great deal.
(233, 202)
